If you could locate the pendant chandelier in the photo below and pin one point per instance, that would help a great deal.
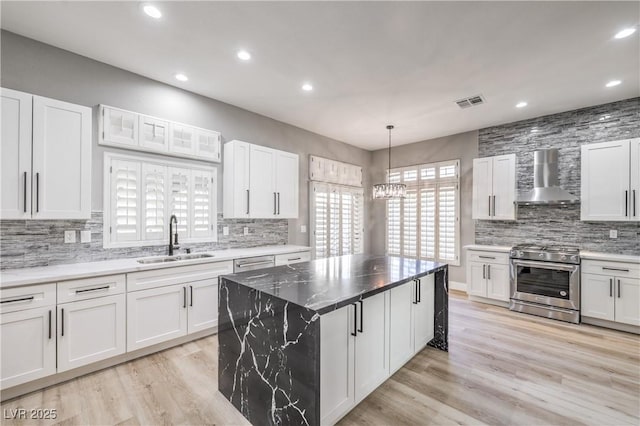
(387, 191)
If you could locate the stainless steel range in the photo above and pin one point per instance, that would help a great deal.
(545, 281)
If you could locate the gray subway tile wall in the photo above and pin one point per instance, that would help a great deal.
(29, 243)
(566, 131)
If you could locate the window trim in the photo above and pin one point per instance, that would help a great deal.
(141, 159)
(419, 184)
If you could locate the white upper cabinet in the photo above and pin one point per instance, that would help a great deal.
(259, 182)
(610, 181)
(15, 154)
(330, 171)
(46, 158)
(154, 134)
(494, 188)
(119, 126)
(140, 132)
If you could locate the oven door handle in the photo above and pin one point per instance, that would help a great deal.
(546, 265)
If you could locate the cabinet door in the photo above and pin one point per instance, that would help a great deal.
(476, 277)
(182, 139)
(90, 330)
(155, 316)
(498, 282)
(154, 134)
(336, 364)
(424, 311)
(504, 187)
(634, 196)
(605, 181)
(15, 155)
(401, 327)
(203, 305)
(28, 345)
(208, 145)
(202, 204)
(627, 300)
(372, 345)
(482, 181)
(597, 296)
(262, 199)
(287, 185)
(119, 127)
(61, 160)
(236, 180)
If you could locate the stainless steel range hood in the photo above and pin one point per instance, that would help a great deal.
(546, 189)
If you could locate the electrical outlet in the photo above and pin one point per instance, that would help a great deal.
(225, 230)
(613, 233)
(303, 229)
(85, 236)
(69, 237)
(246, 230)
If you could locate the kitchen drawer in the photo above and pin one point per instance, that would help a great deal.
(608, 268)
(488, 257)
(177, 275)
(90, 288)
(27, 297)
(289, 258)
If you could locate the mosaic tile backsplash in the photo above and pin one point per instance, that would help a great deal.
(29, 243)
(566, 131)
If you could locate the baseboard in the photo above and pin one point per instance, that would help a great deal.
(610, 324)
(455, 285)
(489, 301)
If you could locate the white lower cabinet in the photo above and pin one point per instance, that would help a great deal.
(156, 315)
(28, 347)
(424, 313)
(488, 275)
(203, 305)
(90, 330)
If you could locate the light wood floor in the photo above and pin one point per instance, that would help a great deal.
(502, 368)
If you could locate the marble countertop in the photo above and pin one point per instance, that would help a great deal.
(499, 249)
(592, 255)
(324, 285)
(46, 274)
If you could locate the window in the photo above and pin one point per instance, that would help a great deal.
(425, 224)
(336, 219)
(141, 194)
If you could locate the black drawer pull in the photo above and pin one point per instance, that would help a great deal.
(62, 322)
(106, 287)
(355, 320)
(361, 329)
(614, 269)
(22, 299)
(486, 257)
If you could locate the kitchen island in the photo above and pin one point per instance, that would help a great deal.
(305, 343)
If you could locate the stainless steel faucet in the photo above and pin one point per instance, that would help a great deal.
(173, 237)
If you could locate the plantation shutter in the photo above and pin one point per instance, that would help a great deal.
(447, 217)
(320, 211)
(125, 207)
(334, 222)
(201, 204)
(410, 224)
(358, 221)
(179, 181)
(393, 226)
(428, 223)
(154, 184)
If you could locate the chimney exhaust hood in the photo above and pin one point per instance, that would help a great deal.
(546, 189)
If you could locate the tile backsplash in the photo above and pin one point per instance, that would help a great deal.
(566, 131)
(29, 243)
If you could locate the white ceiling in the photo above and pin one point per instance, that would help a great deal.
(370, 63)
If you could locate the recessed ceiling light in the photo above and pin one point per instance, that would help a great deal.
(244, 55)
(625, 33)
(181, 77)
(613, 83)
(152, 11)
(307, 87)
(521, 104)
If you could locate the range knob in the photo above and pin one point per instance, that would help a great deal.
(520, 253)
(574, 257)
(563, 257)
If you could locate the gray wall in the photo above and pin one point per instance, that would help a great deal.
(463, 146)
(566, 131)
(38, 68)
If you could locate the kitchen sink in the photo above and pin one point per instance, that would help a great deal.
(176, 258)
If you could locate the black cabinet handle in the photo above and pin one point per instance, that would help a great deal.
(190, 295)
(610, 287)
(361, 329)
(62, 322)
(486, 257)
(494, 205)
(106, 287)
(278, 203)
(25, 192)
(618, 289)
(607, 268)
(419, 291)
(49, 324)
(184, 297)
(484, 271)
(415, 293)
(634, 202)
(247, 201)
(626, 203)
(488, 272)
(489, 205)
(22, 299)
(355, 320)
(37, 192)
(275, 207)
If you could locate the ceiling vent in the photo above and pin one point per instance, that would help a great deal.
(471, 101)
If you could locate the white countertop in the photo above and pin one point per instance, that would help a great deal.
(499, 249)
(592, 255)
(46, 274)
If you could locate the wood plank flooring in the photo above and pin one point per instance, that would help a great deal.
(502, 368)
